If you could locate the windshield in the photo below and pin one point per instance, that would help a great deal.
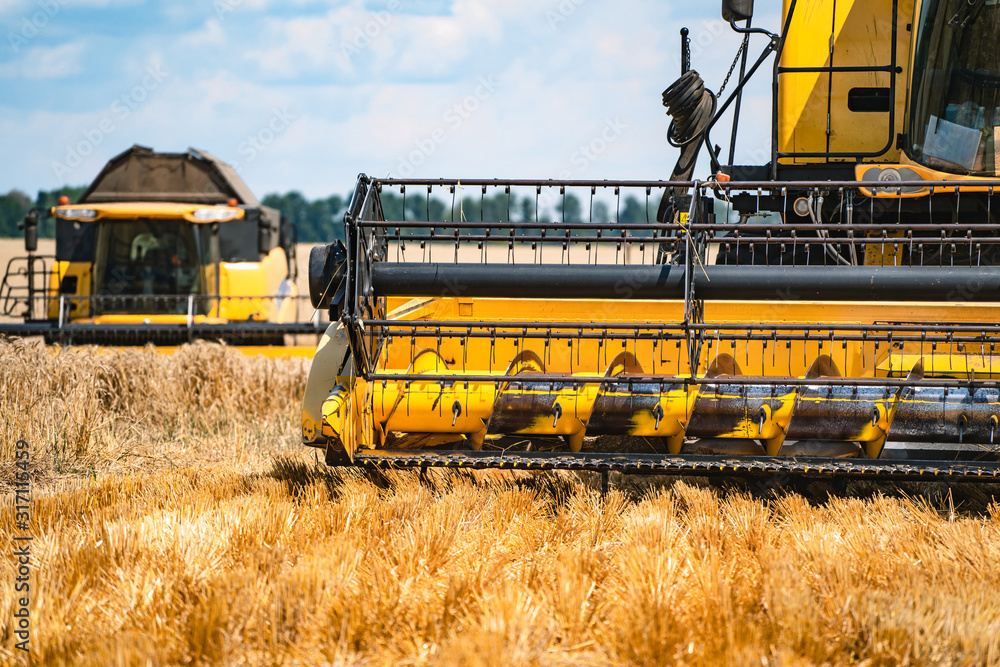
(954, 119)
(144, 258)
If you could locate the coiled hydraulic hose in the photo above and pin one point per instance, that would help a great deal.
(691, 107)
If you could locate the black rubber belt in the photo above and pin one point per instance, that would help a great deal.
(752, 466)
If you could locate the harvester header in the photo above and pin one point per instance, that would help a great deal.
(161, 248)
(835, 310)
(543, 339)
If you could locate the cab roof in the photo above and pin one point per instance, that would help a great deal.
(194, 177)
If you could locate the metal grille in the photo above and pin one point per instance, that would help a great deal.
(839, 226)
(907, 343)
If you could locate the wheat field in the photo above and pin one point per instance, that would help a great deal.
(177, 521)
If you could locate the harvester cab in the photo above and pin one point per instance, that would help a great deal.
(162, 247)
(831, 310)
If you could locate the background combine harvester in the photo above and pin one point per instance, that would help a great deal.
(162, 248)
(832, 312)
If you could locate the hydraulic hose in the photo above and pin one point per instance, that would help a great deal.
(691, 107)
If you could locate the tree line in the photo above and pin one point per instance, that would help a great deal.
(321, 220)
(15, 205)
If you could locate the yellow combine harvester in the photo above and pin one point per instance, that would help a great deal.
(161, 248)
(834, 311)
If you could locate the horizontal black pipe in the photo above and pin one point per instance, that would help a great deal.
(711, 185)
(741, 283)
(804, 70)
(51, 327)
(503, 228)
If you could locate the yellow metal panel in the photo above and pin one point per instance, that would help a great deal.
(78, 308)
(962, 182)
(55, 278)
(146, 318)
(210, 278)
(362, 414)
(886, 252)
(803, 97)
(960, 361)
(246, 282)
(127, 210)
(859, 34)
(864, 39)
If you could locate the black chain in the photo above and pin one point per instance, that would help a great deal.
(732, 67)
(971, 471)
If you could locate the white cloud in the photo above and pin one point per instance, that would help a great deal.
(380, 43)
(307, 44)
(558, 87)
(209, 35)
(45, 62)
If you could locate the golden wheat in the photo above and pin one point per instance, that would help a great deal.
(88, 411)
(176, 521)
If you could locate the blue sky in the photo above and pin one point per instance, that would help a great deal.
(305, 95)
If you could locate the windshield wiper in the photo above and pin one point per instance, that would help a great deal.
(973, 9)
